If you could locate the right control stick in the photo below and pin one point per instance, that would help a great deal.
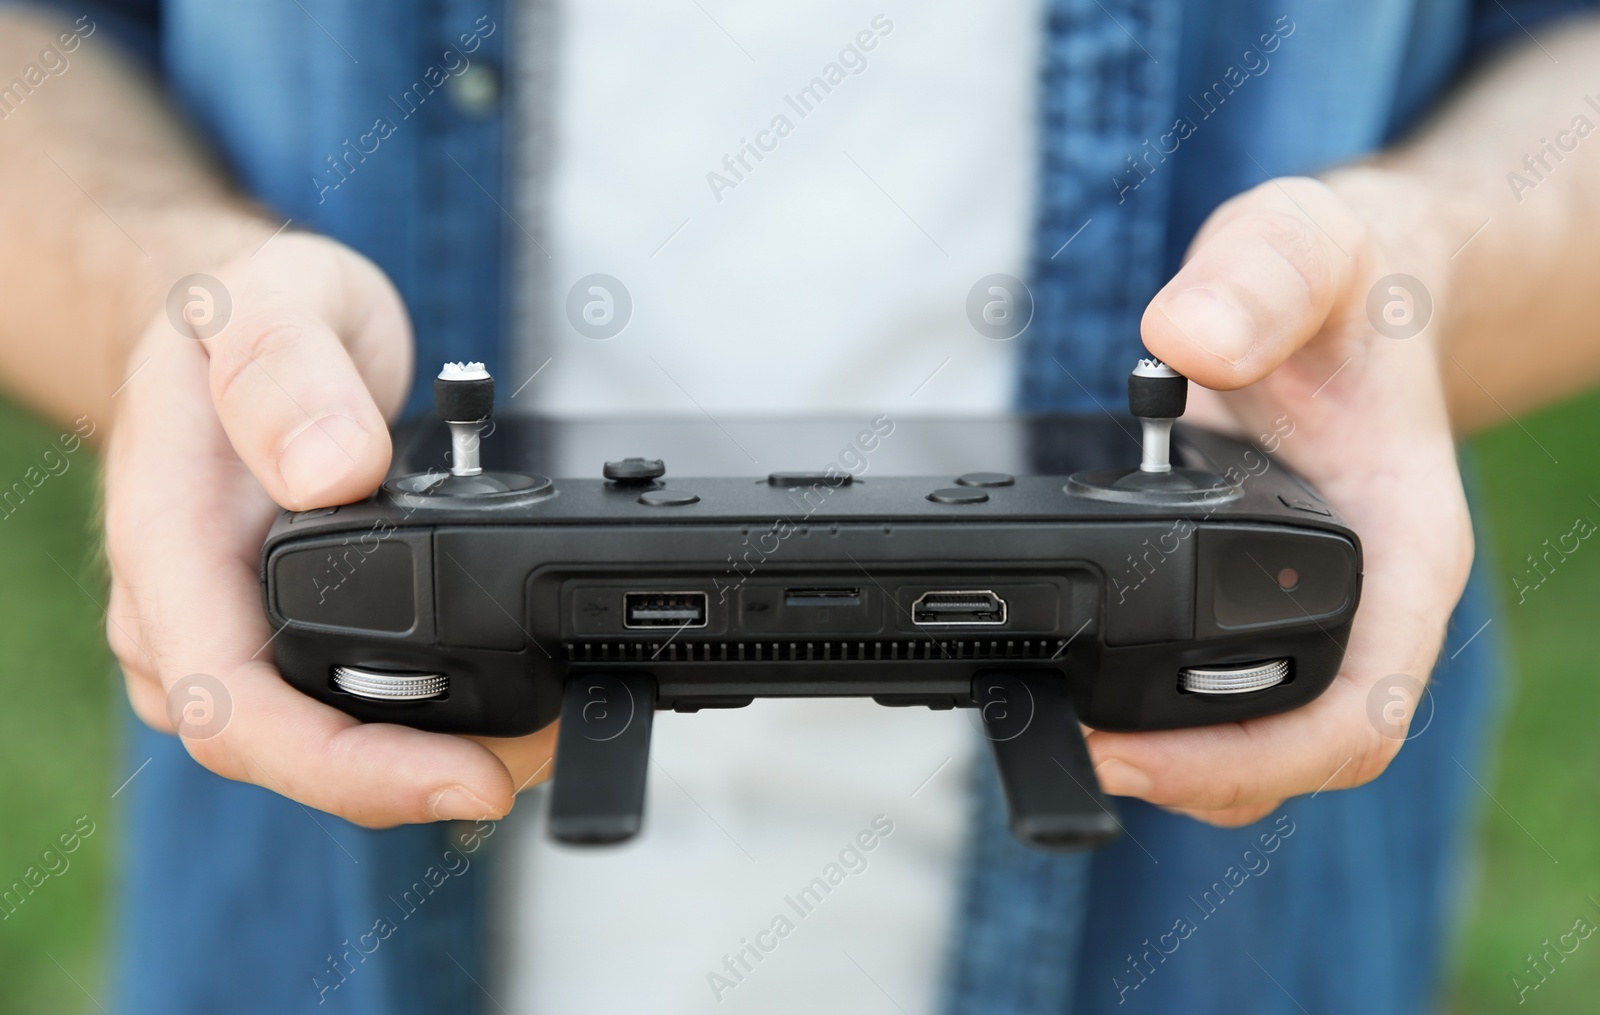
(1157, 397)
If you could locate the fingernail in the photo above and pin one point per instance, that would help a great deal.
(320, 455)
(1118, 778)
(1213, 322)
(457, 803)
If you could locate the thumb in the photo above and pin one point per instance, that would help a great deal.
(296, 407)
(1261, 279)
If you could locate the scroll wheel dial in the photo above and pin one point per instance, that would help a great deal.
(1241, 679)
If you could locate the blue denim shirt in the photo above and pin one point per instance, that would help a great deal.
(340, 115)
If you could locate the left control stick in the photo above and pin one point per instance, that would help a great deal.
(463, 396)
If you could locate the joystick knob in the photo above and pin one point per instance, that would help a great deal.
(463, 396)
(1157, 395)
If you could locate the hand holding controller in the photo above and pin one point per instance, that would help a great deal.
(280, 404)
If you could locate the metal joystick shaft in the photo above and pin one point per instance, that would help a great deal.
(463, 396)
(1157, 396)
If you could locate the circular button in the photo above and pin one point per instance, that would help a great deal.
(958, 495)
(985, 479)
(475, 90)
(635, 470)
(667, 498)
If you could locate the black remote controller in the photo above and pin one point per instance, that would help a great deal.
(1008, 565)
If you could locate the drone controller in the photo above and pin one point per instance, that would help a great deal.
(1010, 565)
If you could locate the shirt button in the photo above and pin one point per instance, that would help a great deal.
(475, 91)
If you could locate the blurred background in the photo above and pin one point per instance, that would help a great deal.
(1539, 829)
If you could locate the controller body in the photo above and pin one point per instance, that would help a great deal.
(941, 563)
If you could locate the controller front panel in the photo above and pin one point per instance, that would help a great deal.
(722, 610)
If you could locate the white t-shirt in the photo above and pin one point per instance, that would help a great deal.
(796, 200)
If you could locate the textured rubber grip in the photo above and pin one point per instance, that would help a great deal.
(1157, 397)
(463, 401)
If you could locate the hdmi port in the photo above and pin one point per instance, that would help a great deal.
(964, 606)
(664, 609)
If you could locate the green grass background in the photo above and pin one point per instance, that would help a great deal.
(1539, 863)
(1541, 851)
(56, 726)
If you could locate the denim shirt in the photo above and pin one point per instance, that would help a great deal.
(345, 119)
(350, 117)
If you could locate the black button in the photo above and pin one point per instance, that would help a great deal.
(322, 512)
(957, 495)
(667, 498)
(1305, 505)
(635, 470)
(985, 479)
(809, 479)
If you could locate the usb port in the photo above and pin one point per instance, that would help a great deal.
(958, 606)
(822, 597)
(664, 609)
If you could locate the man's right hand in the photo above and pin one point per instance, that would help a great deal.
(284, 406)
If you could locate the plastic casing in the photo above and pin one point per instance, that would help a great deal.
(509, 596)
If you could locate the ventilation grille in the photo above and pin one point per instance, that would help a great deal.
(675, 651)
